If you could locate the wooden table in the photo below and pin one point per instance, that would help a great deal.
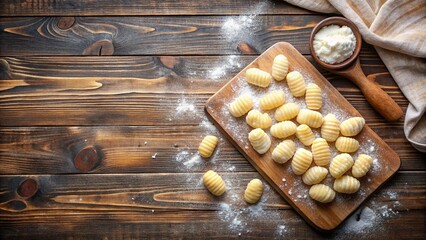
(102, 112)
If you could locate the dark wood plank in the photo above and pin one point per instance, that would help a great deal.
(42, 91)
(44, 150)
(121, 205)
(179, 35)
(145, 7)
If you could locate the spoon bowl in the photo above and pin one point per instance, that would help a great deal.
(351, 69)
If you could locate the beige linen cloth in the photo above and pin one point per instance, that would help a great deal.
(397, 29)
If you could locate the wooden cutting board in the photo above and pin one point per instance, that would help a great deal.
(322, 216)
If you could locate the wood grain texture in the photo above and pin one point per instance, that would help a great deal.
(46, 91)
(43, 150)
(183, 35)
(121, 205)
(144, 7)
(322, 216)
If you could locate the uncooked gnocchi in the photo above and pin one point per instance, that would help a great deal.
(346, 144)
(362, 165)
(314, 175)
(254, 191)
(287, 111)
(313, 96)
(322, 193)
(214, 183)
(352, 126)
(258, 77)
(256, 119)
(259, 140)
(346, 184)
(311, 118)
(330, 128)
(283, 129)
(296, 83)
(241, 105)
(321, 152)
(272, 100)
(305, 135)
(284, 151)
(302, 160)
(279, 67)
(340, 164)
(207, 146)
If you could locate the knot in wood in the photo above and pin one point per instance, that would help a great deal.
(246, 48)
(28, 188)
(99, 48)
(87, 159)
(65, 23)
(5, 73)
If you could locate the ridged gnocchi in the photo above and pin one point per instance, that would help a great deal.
(346, 144)
(311, 118)
(258, 77)
(287, 111)
(207, 146)
(241, 105)
(214, 183)
(279, 67)
(362, 165)
(322, 193)
(305, 135)
(272, 100)
(256, 119)
(352, 126)
(313, 96)
(283, 129)
(341, 164)
(302, 160)
(296, 83)
(330, 128)
(259, 140)
(284, 151)
(314, 175)
(346, 184)
(254, 191)
(321, 152)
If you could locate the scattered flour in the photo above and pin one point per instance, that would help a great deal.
(184, 106)
(221, 69)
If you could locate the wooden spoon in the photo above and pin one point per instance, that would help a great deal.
(351, 69)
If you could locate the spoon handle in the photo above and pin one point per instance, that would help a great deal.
(378, 98)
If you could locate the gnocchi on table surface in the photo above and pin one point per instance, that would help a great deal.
(207, 146)
(254, 191)
(214, 183)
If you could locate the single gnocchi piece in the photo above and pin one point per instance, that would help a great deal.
(346, 144)
(280, 67)
(207, 146)
(352, 126)
(296, 83)
(254, 191)
(321, 152)
(284, 151)
(272, 100)
(214, 183)
(259, 140)
(311, 118)
(302, 160)
(346, 184)
(362, 165)
(330, 128)
(314, 175)
(283, 129)
(256, 119)
(313, 96)
(258, 77)
(287, 111)
(305, 135)
(341, 164)
(322, 193)
(241, 105)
